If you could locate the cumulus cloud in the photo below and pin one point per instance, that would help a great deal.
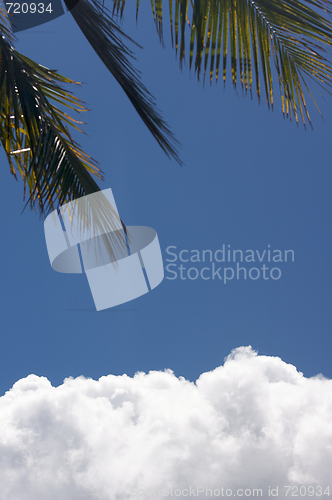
(253, 423)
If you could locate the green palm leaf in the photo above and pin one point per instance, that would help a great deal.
(34, 131)
(35, 136)
(287, 38)
(104, 35)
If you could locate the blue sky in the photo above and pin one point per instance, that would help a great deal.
(250, 180)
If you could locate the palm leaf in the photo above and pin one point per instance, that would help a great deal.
(35, 136)
(104, 35)
(34, 132)
(286, 38)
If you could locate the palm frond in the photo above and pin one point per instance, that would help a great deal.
(35, 136)
(6, 25)
(34, 131)
(104, 35)
(288, 38)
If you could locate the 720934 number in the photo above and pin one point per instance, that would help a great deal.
(26, 8)
(304, 491)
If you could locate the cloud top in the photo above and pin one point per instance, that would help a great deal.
(255, 422)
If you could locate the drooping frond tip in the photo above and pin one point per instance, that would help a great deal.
(105, 36)
(34, 131)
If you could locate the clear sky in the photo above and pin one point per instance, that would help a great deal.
(250, 180)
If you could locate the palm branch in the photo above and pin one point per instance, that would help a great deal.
(33, 130)
(105, 37)
(287, 38)
(35, 136)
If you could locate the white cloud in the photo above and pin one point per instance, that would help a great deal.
(254, 422)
